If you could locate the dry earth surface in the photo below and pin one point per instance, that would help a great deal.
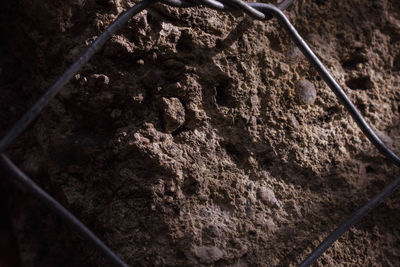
(201, 138)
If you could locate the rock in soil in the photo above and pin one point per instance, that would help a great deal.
(195, 137)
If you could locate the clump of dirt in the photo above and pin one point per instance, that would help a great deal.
(203, 138)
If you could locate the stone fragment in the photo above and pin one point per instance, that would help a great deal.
(270, 225)
(294, 55)
(136, 94)
(267, 196)
(208, 254)
(173, 113)
(118, 5)
(119, 46)
(80, 80)
(98, 80)
(293, 121)
(305, 92)
(203, 198)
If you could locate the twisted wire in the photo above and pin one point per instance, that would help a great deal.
(259, 11)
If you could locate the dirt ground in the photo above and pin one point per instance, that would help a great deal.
(201, 138)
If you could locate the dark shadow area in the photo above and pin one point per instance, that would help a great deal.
(9, 251)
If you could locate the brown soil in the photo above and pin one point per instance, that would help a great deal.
(202, 138)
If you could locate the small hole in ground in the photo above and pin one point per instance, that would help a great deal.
(369, 169)
(352, 62)
(360, 83)
(223, 94)
(191, 186)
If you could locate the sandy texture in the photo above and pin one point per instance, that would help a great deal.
(203, 138)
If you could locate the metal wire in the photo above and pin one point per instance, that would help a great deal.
(23, 123)
(258, 11)
(34, 111)
(351, 221)
(61, 211)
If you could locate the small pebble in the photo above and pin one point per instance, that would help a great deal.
(294, 55)
(270, 225)
(267, 196)
(98, 80)
(208, 254)
(173, 113)
(294, 122)
(305, 92)
(203, 197)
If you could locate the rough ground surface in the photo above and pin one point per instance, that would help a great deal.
(202, 138)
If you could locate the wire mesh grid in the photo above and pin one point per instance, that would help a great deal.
(258, 11)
